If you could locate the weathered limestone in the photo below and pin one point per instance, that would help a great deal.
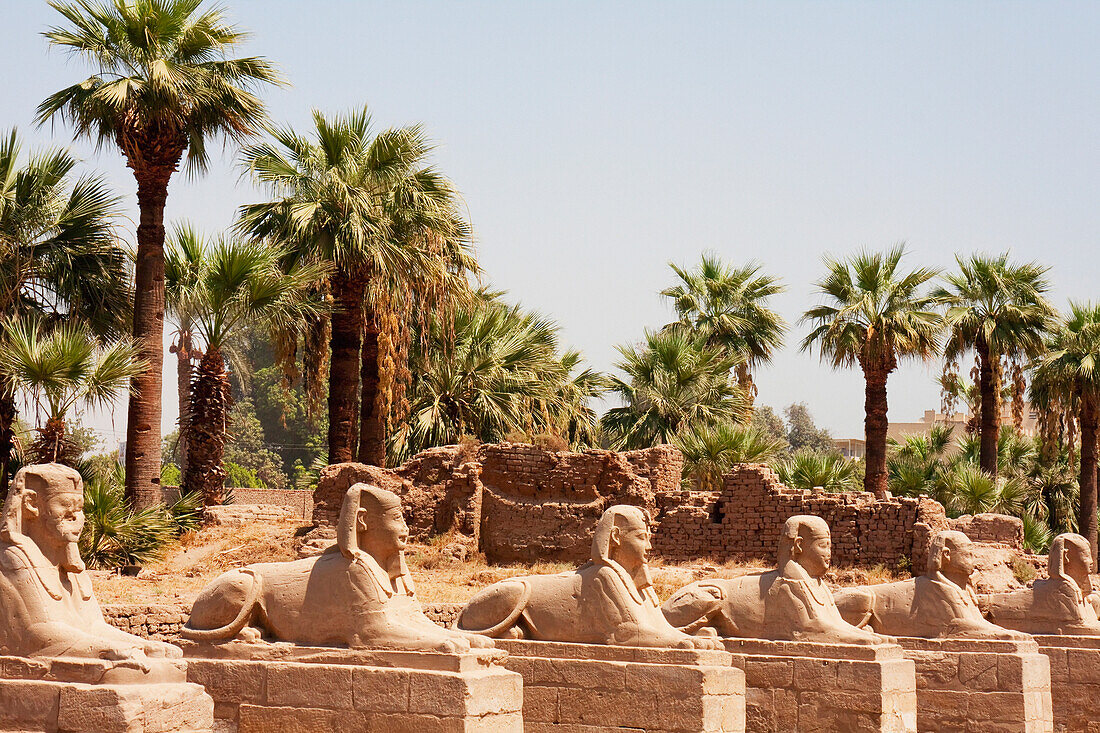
(64, 668)
(609, 600)
(358, 593)
(263, 687)
(840, 688)
(589, 688)
(1074, 681)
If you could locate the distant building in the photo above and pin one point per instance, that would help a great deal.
(851, 447)
(899, 431)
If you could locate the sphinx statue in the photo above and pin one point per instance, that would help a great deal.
(789, 603)
(609, 600)
(939, 604)
(48, 607)
(357, 593)
(1058, 604)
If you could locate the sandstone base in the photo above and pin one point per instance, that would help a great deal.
(832, 688)
(587, 688)
(980, 686)
(66, 695)
(267, 687)
(1074, 681)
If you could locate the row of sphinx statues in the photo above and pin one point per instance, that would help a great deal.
(359, 593)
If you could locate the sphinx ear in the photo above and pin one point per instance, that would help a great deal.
(945, 556)
(616, 535)
(796, 546)
(361, 520)
(30, 502)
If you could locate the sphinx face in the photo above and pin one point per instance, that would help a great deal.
(62, 516)
(816, 555)
(390, 531)
(1078, 560)
(633, 545)
(960, 559)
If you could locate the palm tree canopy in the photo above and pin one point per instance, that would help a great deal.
(674, 381)
(58, 251)
(998, 303)
(1070, 365)
(728, 306)
(874, 313)
(163, 81)
(225, 283)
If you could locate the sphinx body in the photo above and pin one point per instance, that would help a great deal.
(790, 603)
(939, 604)
(358, 593)
(1058, 604)
(609, 600)
(49, 609)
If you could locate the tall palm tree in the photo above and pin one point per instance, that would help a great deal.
(229, 284)
(1000, 310)
(58, 255)
(874, 315)
(1067, 378)
(61, 368)
(728, 306)
(388, 223)
(163, 85)
(676, 382)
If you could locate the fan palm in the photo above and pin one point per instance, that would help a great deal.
(711, 451)
(1067, 376)
(728, 306)
(61, 368)
(676, 382)
(809, 469)
(58, 255)
(162, 86)
(1000, 310)
(225, 285)
(369, 205)
(873, 316)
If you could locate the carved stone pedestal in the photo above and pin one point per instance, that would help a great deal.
(832, 688)
(265, 687)
(1074, 681)
(591, 688)
(980, 686)
(71, 695)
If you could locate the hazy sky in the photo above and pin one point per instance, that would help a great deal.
(596, 141)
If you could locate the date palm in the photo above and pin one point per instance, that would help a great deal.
(228, 285)
(728, 306)
(998, 309)
(1067, 378)
(61, 368)
(58, 254)
(675, 383)
(369, 205)
(874, 314)
(163, 85)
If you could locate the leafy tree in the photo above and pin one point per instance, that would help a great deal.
(765, 420)
(802, 432)
(248, 450)
(873, 315)
(999, 310)
(676, 383)
(728, 306)
(369, 205)
(163, 85)
(58, 256)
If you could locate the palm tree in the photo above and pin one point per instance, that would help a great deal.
(58, 255)
(1000, 310)
(676, 382)
(162, 86)
(61, 368)
(810, 469)
(711, 451)
(225, 286)
(874, 315)
(388, 224)
(728, 306)
(1067, 378)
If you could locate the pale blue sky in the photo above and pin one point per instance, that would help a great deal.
(596, 141)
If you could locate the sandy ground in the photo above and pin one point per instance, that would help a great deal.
(440, 571)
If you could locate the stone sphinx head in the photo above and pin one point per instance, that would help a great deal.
(45, 508)
(1071, 557)
(951, 554)
(371, 521)
(805, 539)
(622, 535)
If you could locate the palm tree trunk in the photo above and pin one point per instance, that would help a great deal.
(745, 384)
(1087, 520)
(7, 433)
(875, 426)
(210, 401)
(143, 415)
(372, 424)
(343, 382)
(184, 368)
(991, 414)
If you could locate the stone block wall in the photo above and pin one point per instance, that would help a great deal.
(162, 623)
(298, 501)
